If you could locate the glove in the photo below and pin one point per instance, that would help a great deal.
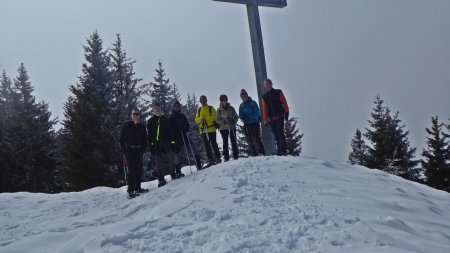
(203, 120)
(286, 116)
(173, 146)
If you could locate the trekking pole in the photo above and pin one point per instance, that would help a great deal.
(192, 152)
(187, 155)
(125, 173)
(205, 128)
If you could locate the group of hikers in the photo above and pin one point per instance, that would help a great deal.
(165, 136)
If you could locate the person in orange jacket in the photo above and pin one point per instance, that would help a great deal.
(275, 111)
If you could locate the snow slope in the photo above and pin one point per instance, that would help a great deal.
(264, 204)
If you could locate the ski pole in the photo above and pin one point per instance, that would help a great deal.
(192, 151)
(125, 172)
(205, 128)
(185, 147)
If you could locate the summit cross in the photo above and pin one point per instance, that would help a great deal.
(258, 55)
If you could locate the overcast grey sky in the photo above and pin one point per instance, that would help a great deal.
(331, 57)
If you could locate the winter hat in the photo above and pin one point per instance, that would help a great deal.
(223, 97)
(243, 92)
(203, 97)
(176, 103)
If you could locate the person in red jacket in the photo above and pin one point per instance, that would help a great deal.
(275, 111)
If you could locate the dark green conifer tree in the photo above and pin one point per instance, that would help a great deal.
(435, 162)
(89, 139)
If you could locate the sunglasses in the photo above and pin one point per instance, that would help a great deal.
(224, 100)
(136, 114)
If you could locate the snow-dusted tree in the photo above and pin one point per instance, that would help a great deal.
(31, 139)
(293, 137)
(243, 146)
(174, 95)
(436, 163)
(190, 109)
(160, 90)
(127, 88)
(5, 125)
(89, 129)
(390, 149)
(358, 155)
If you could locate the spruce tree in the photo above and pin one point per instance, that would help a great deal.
(293, 137)
(376, 135)
(402, 161)
(190, 109)
(32, 139)
(390, 149)
(243, 146)
(160, 90)
(358, 155)
(127, 88)
(436, 156)
(5, 125)
(89, 130)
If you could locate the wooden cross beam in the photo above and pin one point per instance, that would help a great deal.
(258, 54)
(266, 3)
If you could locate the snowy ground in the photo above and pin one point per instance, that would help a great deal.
(264, 204)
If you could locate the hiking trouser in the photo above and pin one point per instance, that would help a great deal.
(212, 143)
(252, 133)
(280, 137)
(134, 161)
(234, 147)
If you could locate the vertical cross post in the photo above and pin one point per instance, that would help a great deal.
(258, 55)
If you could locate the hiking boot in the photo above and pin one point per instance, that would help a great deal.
(174, 176)
(132, 195)
(142, 190)
(162, 183)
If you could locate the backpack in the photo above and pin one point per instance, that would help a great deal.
(215, 124)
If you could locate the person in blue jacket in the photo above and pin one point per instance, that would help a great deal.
(249, 114)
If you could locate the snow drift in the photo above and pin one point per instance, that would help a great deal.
(264, 204)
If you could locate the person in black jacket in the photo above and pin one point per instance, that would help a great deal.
(180, 126)
(133, 140)
(160, 139)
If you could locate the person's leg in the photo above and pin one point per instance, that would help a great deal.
(207, 147)
(171, 156)
(226, 153)
(139, 172)
(131, 177)
(213, 140)
(248, 136)
(234, 146)
(282, 137)
(254, 133)
(159, 168)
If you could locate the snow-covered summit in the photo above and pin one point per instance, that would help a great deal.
(264, 204)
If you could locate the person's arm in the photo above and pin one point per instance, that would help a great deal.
(285, 105)
(264, 111)
(211, 117)
(198, 117)
(144, 146)
(122, 138)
